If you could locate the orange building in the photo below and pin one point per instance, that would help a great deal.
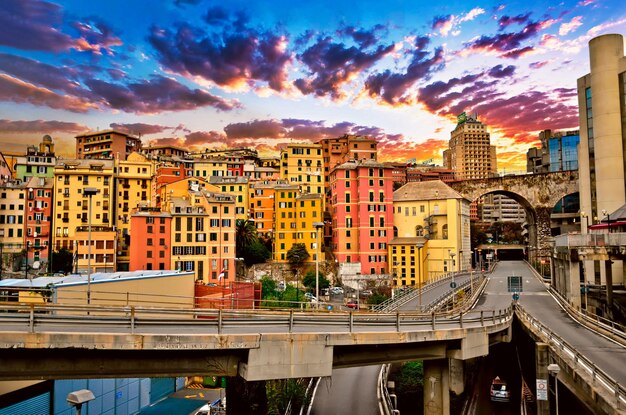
(151, 241)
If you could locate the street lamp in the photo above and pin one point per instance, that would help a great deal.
(89, 191)
(318, 226)
(26, 261)
(608, 219)
(584, 216)
(554, 369)
(80, 397)
(419, 247)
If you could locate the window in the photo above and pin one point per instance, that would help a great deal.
(444, 231)
(149, 242)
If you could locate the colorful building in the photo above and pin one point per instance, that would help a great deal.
(362, 197)
(107, 144)
(38, 220)
(149, 246)
(302, 164)
(238, 187)
(38, 162)
(12, 202)
(431, 232)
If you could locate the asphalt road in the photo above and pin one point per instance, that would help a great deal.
(348, 391)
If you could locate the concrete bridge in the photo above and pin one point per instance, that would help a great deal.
(65, 342)
(537, 193)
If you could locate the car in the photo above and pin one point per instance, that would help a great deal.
(310, 297)
(499, 390)
(366, 293)
(336, 290)
(353, 304)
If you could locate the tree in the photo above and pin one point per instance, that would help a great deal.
(246, 237)
(297, 255)
(309, 281)
(256, 253)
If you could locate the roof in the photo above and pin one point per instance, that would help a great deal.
(353, 164)
(80, 279)
(429, 190)
(105, 132)
(408, 241)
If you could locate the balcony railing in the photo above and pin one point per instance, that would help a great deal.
(591, 239)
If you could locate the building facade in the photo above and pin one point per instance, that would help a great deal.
(107, 144)
(302, 165)
(470, 153)
(361, 211)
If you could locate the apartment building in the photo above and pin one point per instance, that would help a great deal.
(39, 161)
(150, 223)
(262, 205)
(431, 221)
(302, 164)
(362, 200)
(298, 218)
(470, 153)
(71, 202)
(238, 187)
(12, 213)
(107, 144)
(38, 219)
(135, 186)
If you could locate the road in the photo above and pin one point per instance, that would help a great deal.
(348, 391)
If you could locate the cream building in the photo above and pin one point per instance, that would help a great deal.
(431, 233)
(602, 169)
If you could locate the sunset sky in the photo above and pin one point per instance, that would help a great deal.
(198, 73)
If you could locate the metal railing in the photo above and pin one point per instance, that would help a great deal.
(98, 319)
(578, 363)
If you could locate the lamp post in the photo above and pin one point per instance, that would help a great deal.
(318, 226)
(419, 247)
(26, 260)
(584, 216)
(452, 284)
(554, 369)
(89, 191)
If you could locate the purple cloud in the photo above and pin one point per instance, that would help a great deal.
(506, 45)
(506, 21)
(139, 128)
(391, 87)
(500, 71)
(41, 126)
(364, 37)
(156, 95)
(332, 65)
(96, 36)
(229, 53)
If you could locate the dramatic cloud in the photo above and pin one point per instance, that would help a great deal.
(392, 87)
(445, 24)
(506, 21)
(15, 90)
(204, 137)
(332, 64)
(32, 25)
(231, 55)
(256, 129)
(41, 126)
(44, 75)
(96, 36)
(365, 38)
(156, 95)
(537, 65)
(140, 128)
(507, 45)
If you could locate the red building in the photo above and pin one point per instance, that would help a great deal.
(151, 241)
(38, 219)
(362, 211)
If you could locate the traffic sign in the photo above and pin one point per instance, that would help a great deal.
(453, 284)
(542, 389)
(514, 283)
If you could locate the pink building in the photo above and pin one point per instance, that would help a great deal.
(38, 219)
(362, 201)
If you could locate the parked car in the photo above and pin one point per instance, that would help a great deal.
(310, 297)
(366, 293)
(499, 390)
(353, 304)
(336, 290)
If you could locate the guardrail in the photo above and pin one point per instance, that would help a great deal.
(577, 362)
(98, 319)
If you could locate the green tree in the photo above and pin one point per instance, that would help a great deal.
(268, 288)
(246, 237)
(309, 281)
(256, 253)
(297, 255)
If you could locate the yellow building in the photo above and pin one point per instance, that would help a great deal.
(431, 232)
(135, 186)
(296, 218)
(238, 187)
(203, 230)
(302, 164)
(71, 206)
(12, 204)
(261, 201)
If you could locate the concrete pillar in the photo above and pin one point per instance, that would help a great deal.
(436, 387)
(457, 376)
(573, 284)
(608, 274)
(541, 369)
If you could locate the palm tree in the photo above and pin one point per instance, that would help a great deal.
(246, 236)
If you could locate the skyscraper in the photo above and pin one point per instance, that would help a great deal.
(470, 153)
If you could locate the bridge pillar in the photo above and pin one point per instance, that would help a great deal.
(573, 284)
(436, 387)
(608, 275)
(542, 352)
(457, 376)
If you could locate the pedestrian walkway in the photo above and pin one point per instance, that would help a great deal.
(184, 401)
